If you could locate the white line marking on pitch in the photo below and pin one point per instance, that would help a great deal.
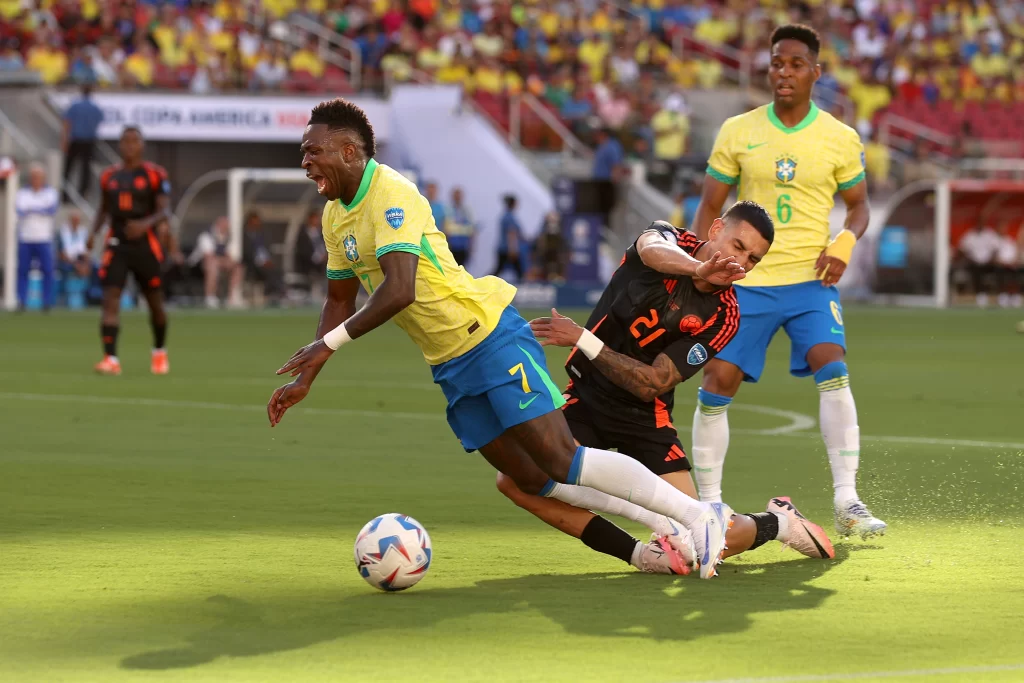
(814, 678)
(798, 420)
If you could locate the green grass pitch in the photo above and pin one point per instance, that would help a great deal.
(155, 528)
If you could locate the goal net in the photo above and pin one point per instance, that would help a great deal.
(925, 222)
(9, 243)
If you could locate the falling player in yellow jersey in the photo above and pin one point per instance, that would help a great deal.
(380, 233)
(792, 159)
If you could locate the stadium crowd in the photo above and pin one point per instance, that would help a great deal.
(956, 65)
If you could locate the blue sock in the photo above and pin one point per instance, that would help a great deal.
(712, 404)
(833, 376)
(576, 467)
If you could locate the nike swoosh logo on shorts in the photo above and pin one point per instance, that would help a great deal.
(835, 331)
(524, 406)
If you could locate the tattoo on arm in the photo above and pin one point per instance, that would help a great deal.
(646, 382)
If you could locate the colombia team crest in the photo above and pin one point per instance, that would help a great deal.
(350, 248)
(785, 169)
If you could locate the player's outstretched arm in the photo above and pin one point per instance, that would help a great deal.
(396, 292)
(644, 381)
(338, 307)
(665, 256)
(712, 199)
(836, 256)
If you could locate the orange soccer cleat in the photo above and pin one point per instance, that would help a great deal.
(159, 365)
(108, 366)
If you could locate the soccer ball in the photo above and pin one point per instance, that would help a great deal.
(392, 552)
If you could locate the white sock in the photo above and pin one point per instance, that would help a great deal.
(783, 534)
(635, 558)
(620, 476)
(596, 501)
(710, 443)
(839, 430)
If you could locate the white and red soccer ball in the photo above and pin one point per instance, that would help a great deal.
(392, 552)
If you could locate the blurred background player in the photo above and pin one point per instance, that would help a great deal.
(792, 158)
(659, 326)
(135, 199)
(501, 401)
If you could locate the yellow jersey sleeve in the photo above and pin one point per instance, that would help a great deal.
(400, 217)
(850, 170)
(723, 164)
(337, 266)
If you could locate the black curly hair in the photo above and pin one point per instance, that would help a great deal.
(805, 34)
(340, 114)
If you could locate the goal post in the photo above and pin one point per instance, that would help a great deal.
(10, 224)
(924, 222)
(237, 177)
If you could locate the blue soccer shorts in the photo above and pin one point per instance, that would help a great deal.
(809, 313)
(500, 383)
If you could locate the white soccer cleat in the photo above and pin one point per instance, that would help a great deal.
(681, 540)
(709, 537)
(805, 536)
(659, 557)
(855, 518)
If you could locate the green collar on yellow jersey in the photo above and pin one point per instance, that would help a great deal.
(364, 186)
(808, 120)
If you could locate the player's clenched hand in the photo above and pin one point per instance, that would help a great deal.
(308, 357)
(557, 330)
(721, 270)
(284, 398)
(829, 268)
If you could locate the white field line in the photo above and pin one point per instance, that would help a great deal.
(909, 673)
(798, 421)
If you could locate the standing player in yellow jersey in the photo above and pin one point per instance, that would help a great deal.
(380, 233)
(792, 159)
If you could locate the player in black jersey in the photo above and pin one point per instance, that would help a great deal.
(135, 197)
(652, 329)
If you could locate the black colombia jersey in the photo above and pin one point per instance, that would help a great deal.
(644, 313)
(131, 193)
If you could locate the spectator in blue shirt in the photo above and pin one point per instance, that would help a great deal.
(576, 111)
(81, 127)
(437, 207)
(459, 228)
(511, 247)
(10, 58)
(608, 157)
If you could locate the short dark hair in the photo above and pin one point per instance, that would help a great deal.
(800, 32)
(753, 213)
(340, 114)
(131, 128)
(510, 201)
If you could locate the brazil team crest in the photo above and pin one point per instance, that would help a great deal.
(785, 169)
(395, 217)
(350, 248)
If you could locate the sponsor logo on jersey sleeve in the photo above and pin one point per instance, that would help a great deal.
(697, 355)
(395, 217)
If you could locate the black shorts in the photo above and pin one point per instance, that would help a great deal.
(142, 258)
(657, 448)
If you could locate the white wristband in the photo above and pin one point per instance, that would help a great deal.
(589, 344)
(336, 337)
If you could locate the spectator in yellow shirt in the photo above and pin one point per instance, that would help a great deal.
(455, 73)
(869, 96)
(877, 163)
(592, 53)
(988, 64)
(139, 67)
(671, 127)
(488, 78)
(307, 59)
(719, 28)
(48, 60)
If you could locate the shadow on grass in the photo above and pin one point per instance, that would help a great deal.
(626, 604)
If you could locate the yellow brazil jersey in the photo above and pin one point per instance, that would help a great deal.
(794, 173)
(453, 311)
